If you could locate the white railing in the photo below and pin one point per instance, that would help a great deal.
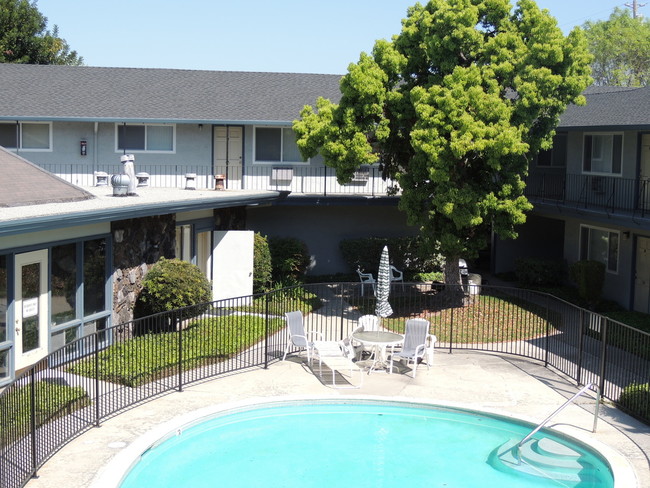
(296, 179)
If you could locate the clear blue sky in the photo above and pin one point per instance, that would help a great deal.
(305, 36)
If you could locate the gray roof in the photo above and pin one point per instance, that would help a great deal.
(610, 108)
(49, 92)
(23, 183)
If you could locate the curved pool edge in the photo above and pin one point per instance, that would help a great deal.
(113, 472)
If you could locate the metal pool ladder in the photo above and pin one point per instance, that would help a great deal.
(517, 449)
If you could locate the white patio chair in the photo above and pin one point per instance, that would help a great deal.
(418, 343)
(396, 276)
(366, 323)
(297, 335)
(366, 279)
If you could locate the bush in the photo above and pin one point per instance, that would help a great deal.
(636, 399)
(405, 254)
(537, 272)
(171, 284)
(589, 276)
(290, 259)
(262, 265)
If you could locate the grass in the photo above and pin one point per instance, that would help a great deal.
(152, 356)
(486, 319)
(53, 400)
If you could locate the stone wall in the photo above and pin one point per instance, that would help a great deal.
(137, 245)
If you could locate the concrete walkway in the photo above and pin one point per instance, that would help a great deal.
(496, 383)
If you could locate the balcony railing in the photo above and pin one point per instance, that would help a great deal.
(596, 192)
(296, 179)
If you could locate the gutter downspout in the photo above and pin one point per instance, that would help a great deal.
(95, 146)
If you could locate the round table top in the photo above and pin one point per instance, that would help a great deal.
(378, 337)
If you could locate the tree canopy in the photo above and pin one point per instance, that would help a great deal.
(621, 49)
(451, 108)
(24, 37)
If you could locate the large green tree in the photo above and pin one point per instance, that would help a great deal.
(621, 49)
(452, 108)
(24, 37)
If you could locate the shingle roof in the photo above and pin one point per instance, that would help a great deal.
(610, 107)
(23, 183)
(50, 92)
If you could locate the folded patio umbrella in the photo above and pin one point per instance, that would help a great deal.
(383, 308)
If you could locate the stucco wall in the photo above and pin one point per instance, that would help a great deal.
(322, 227)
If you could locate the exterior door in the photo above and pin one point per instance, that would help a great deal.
(228, 147)
(642, 276)
(232, 274)
(31, 308)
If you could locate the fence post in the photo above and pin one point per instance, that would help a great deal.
(581, 333)
(177, 320)
(603, 353)
(97, 396)
(548, 333)
(451, 330)
(342, 310)
(32, 417)
(266, 330)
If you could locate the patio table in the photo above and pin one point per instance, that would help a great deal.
(379, 340)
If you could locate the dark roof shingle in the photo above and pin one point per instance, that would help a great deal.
(50, 92)
(23, 183)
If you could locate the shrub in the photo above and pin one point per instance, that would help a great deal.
(539, 272)
(262, 265)
(405, 254)
(636, 399)
(290, 259)
(589, 276)
(171, 284)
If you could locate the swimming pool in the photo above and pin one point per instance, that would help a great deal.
(332, 443)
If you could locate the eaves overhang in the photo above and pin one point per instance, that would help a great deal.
(61, 220)
(339, 200)
(140, 120)
(604, 128)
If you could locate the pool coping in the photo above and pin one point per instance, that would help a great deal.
(113, 472)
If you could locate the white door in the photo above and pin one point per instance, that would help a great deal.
(228, 147)
(642, 276)
(31, 308)
(232, 258)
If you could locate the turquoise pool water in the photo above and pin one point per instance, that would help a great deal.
(366, 444)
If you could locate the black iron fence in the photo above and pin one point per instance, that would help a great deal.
(102, 374)
(600, 192)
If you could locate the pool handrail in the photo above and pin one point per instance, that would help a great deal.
(517, 449)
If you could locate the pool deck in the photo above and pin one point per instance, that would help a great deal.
(495, 383)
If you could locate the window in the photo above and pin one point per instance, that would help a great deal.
(276, 145)
(32, 136)
(556, 156)
(141, 137)
(63, 284)
(600, 245)
(602, 153)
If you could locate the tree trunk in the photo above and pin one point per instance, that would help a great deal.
(453, 291)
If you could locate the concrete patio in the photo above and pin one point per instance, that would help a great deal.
(499, 384)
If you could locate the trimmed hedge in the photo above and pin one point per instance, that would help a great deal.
(262, 264)
(405, 254)
(171, 284)
(290, 258)
(589, 277)
(636, 399)
(537, 272)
